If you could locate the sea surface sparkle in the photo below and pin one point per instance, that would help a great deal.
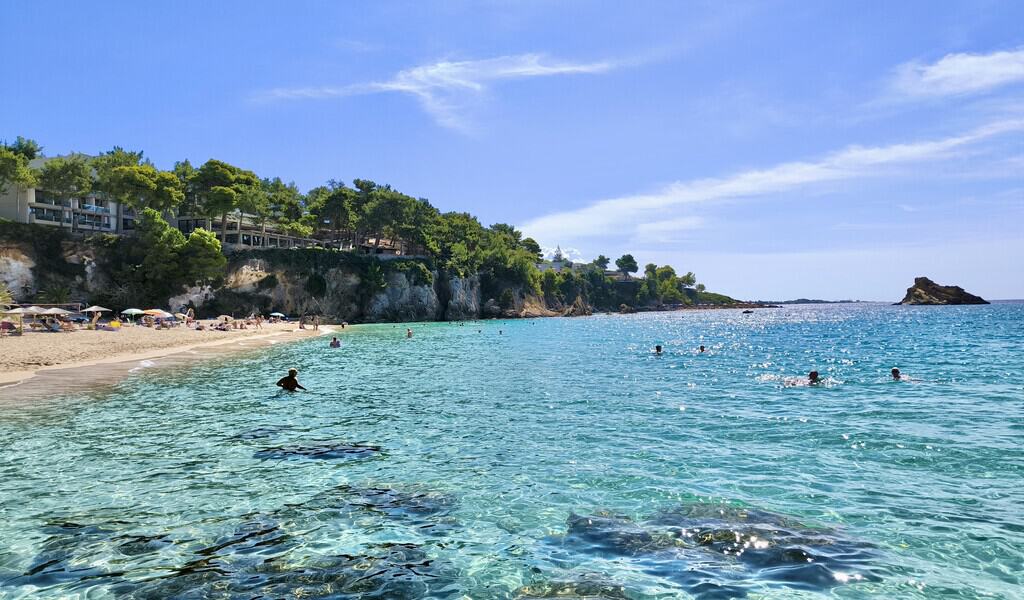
(542, 458)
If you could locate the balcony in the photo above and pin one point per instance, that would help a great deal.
(94, 208)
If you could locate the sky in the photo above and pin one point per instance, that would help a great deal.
(776, 149)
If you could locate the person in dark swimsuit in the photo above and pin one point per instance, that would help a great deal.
(290, 383)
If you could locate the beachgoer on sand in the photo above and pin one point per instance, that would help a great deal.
(290, 383)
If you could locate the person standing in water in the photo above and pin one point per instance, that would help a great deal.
(335, 343)
(812, 378)
(657, 349)
(290, 383)
(702, 349)
(408, 333)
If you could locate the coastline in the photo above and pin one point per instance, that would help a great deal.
(111, 365)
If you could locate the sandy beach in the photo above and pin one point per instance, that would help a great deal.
(23, 356)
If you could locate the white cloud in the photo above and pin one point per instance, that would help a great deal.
(443, 87)
(630, 215)
(959, 74)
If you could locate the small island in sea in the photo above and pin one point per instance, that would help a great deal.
(927, 292)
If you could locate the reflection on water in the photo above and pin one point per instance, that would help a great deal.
(561, 459)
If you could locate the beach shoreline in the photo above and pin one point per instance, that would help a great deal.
(35, 357)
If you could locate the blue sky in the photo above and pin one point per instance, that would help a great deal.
(776, 149)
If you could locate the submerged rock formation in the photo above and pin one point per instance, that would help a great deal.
(926, 291)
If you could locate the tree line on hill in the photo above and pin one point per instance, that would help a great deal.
(160, 261)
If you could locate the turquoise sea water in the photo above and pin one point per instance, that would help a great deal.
(542, 458)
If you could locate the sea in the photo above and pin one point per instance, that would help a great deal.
(546, 458)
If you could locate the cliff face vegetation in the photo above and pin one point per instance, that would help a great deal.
(337, 285)
(159, 267)
(926, 291)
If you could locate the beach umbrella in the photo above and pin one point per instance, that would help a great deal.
(132, 311)
(156, 312)
(55, 311)
(16, 311)
(225, 318)
(276, 314)
(181, 315)
(95, 309)
(34, 310)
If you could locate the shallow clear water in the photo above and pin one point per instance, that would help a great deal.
(524, 458)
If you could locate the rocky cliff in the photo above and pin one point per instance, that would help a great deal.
(926, 291)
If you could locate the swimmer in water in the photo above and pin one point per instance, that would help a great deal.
(702, 349)
(657, 349)
(812, 378)
(408, 333)
(335, 343)
(290, 383)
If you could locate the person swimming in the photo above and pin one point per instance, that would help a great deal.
(657, 349)
(813, 378)
(290, 383)
(702, 349)
(335, 343)
(896, 374)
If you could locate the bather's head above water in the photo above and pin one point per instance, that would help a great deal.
(813, 377)
(895, 373)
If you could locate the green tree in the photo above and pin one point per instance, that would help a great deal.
(160, 244)
(202, 258)
(688, 280)
(218, 187)
(66, 177)
(701, 288)
(29, 149)
(550, 285)
(143, 186)
(119, 187)
(533, 247)
(253, 200)
(14, 169)
(626, 264)
(602, 261)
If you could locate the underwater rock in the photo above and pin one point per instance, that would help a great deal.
(63, 557)
(773, 547)
(398, 571)
(718, 551)
(605, 533)
(423, 510)
(259, 433)
(323, 451)
(138, 545)
(587, 587)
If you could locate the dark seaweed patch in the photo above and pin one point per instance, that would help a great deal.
(61, 559)
(399, 571)
(322, 451)
(586, 587)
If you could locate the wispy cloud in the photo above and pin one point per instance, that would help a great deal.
(636, 214)
(443, 88)
(959, 74)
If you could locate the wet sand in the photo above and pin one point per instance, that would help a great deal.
(38, 365)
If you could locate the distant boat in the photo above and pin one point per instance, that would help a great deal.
(747, 312)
